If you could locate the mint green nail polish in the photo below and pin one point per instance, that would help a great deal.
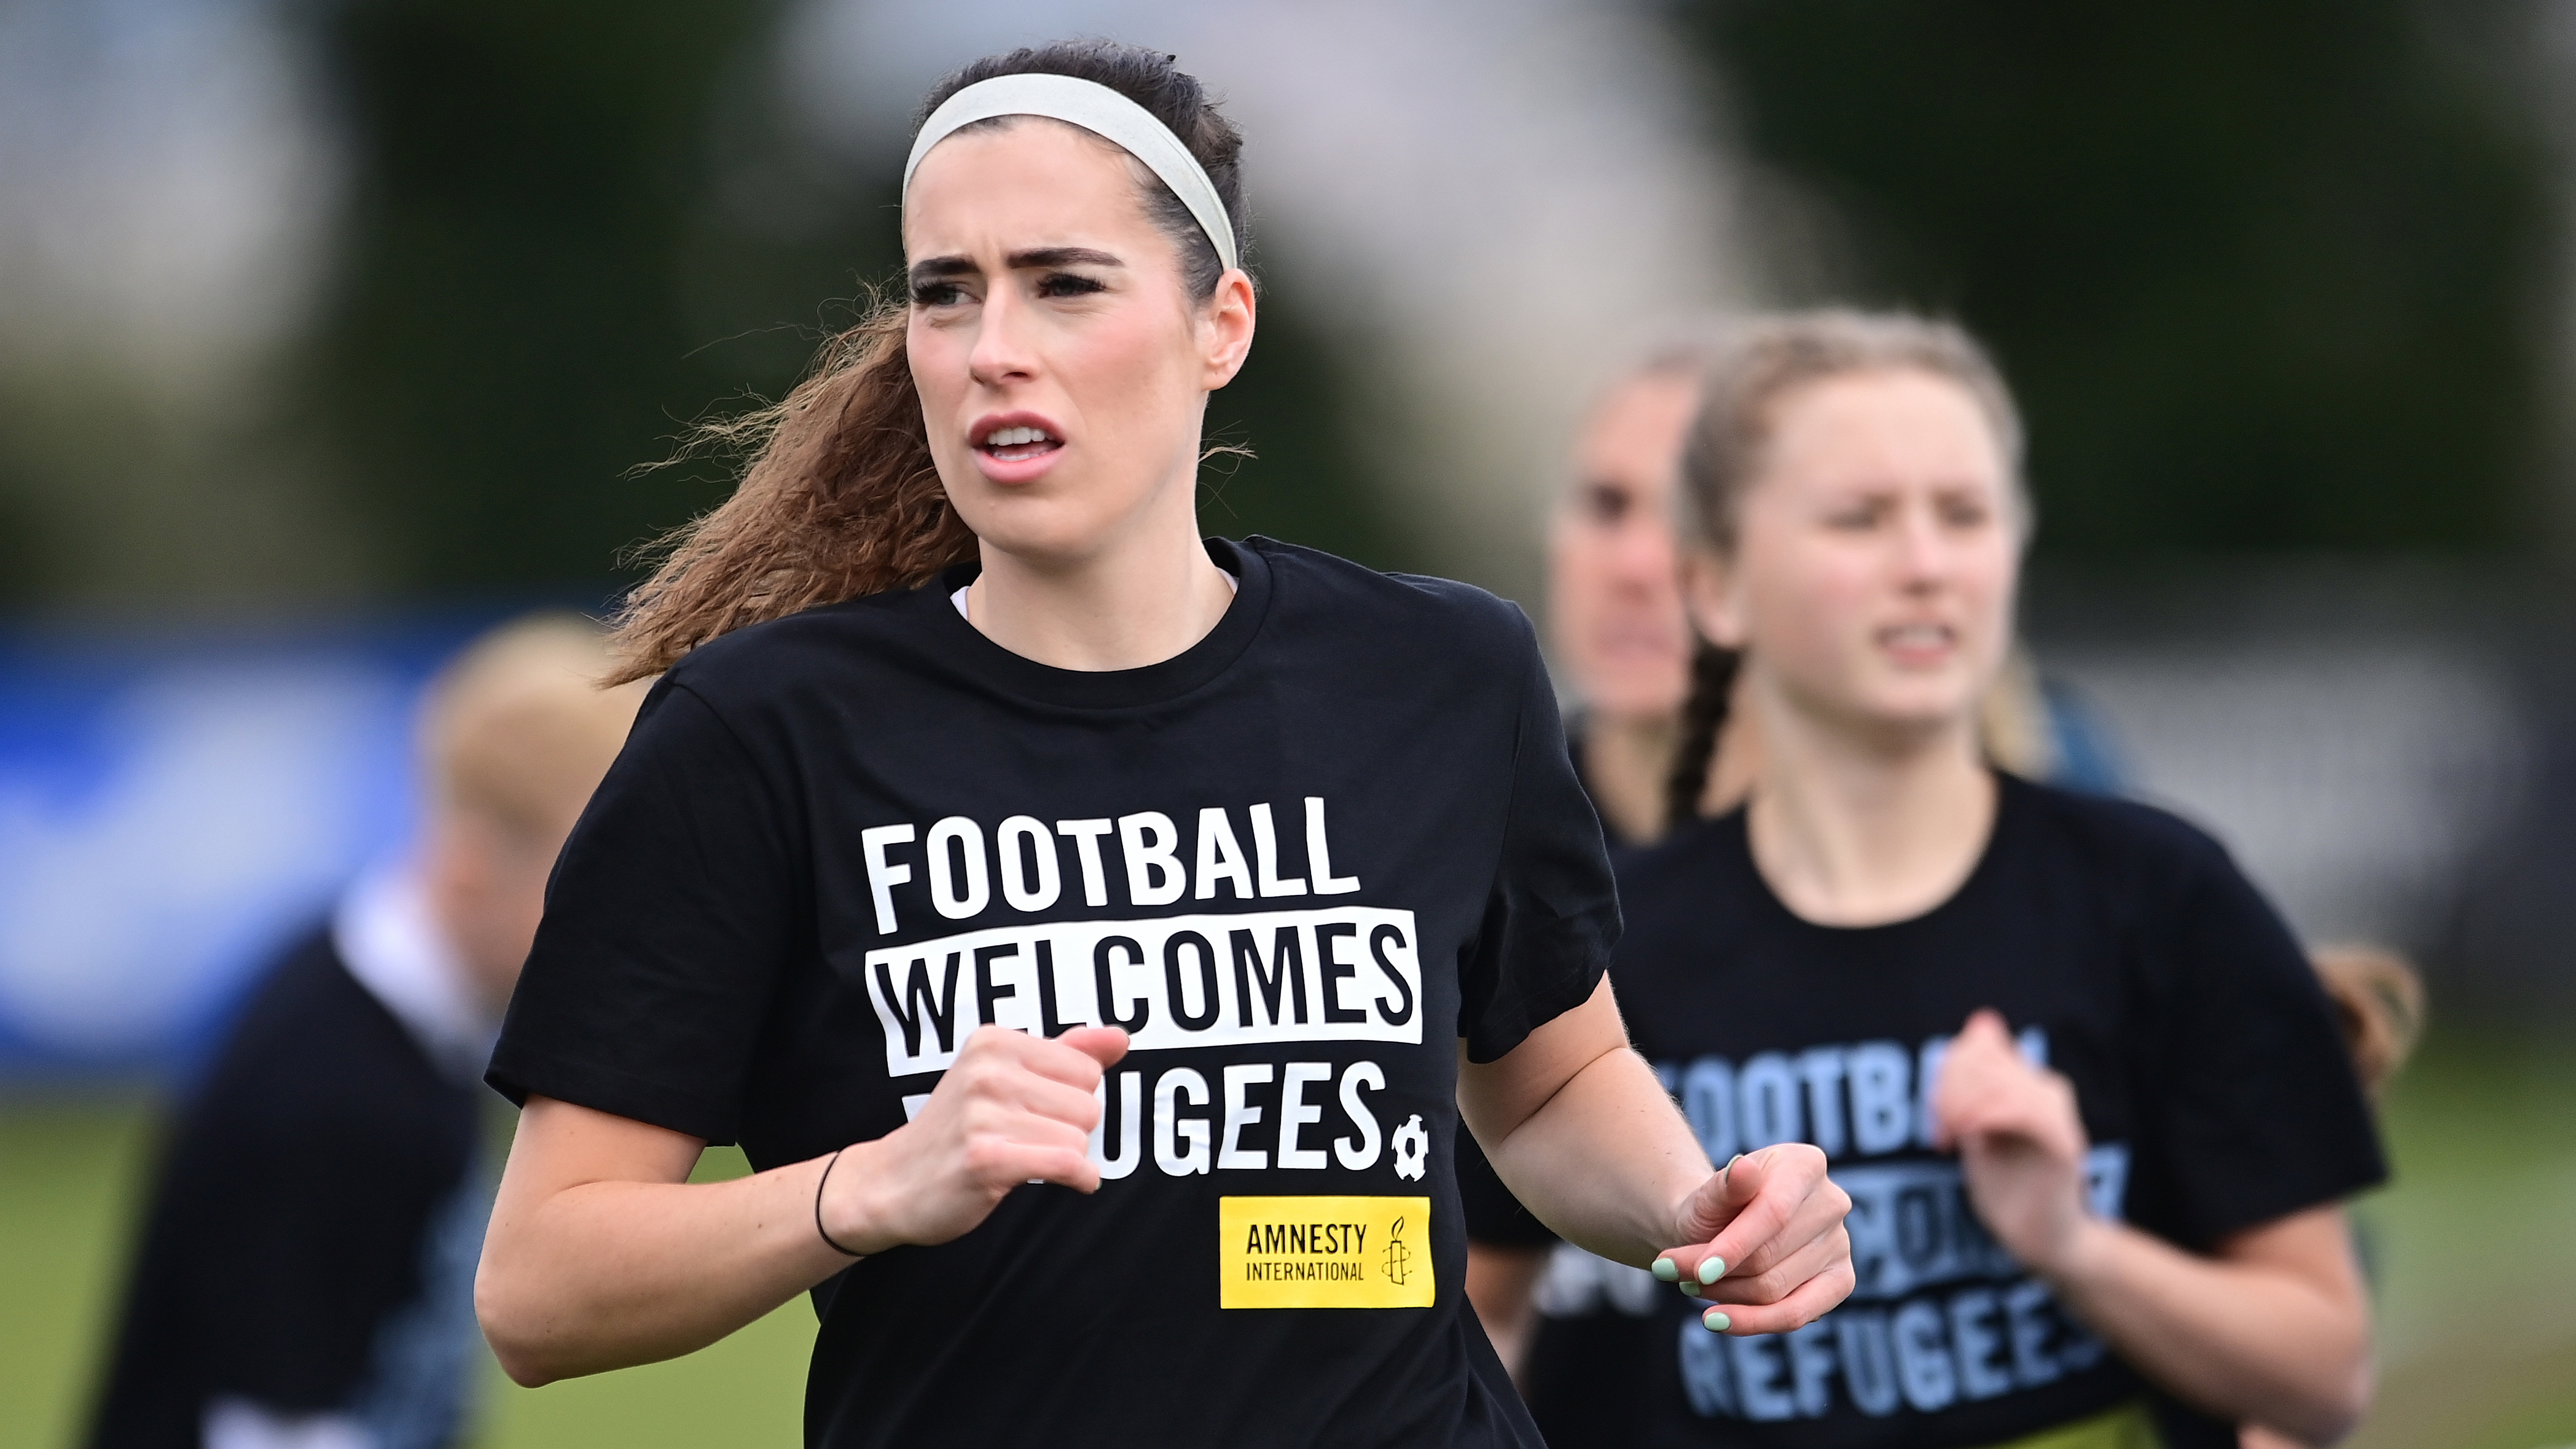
(1714, 1321)
(1690, 1290)
(1711, 1269)
(1667, 1271)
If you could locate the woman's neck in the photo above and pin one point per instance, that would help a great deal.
(1626, 761)
(1852, 827)
(1140, 601)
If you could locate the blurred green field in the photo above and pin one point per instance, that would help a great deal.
(69, 1175)
(2476, 1256)
(2476, 1249)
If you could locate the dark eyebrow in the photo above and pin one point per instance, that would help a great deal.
(1043, 257)
(930, 267)
(1036, 259)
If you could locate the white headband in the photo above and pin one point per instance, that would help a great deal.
(1097, 109)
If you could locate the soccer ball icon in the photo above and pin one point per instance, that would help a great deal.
(1412, 1149)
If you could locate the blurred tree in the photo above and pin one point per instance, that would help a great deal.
(506, 339)
(2265, 276)
(579, 224)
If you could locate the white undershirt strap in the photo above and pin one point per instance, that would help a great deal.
(1233, 585)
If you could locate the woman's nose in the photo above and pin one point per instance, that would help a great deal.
(1001, 353)
(1643, 552)
(1923, 553)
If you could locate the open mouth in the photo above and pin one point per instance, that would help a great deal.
(1642, 641)
(1019, 444)
(1918, 640)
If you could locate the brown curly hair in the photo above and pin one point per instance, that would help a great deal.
(840, 497)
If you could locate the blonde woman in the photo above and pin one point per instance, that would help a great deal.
(2086, 1094)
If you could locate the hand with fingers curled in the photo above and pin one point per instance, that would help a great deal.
(1766, 1245)
(1012, 1109)
(2021, 1145)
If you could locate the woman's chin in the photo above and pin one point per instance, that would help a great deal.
(1897, 710)
(1638, 697)
(1038, 530)
(1921, 718)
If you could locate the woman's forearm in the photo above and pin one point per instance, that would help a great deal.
(602, 1254)
(1606, 1162)
(2272, 1327)
(583, 1277)
(1583, 1132)
(2248, 1338)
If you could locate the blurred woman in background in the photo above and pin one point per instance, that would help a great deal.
(1615, 619)
(1623, 644)
(306, 1269)
(2082, 1086)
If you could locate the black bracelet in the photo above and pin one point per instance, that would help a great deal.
(818, 1208)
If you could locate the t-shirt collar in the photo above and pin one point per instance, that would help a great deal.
(2011, 804)
(1112, 688)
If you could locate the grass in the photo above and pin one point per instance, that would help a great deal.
(70, 1174)
(2477, 1271)
(2477, 1263)
(67, 1185)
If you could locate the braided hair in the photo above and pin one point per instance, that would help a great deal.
(1704, 712)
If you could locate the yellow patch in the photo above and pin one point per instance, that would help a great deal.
(2126, 1427)
(1324, 1252)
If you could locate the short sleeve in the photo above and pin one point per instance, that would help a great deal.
(1553, 913)
(667, 925)
(2260, 1114)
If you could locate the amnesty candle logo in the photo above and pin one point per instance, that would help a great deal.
(1399, 1258)
(1322, 1252)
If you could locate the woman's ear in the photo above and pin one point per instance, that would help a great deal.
(1709, 592)
(1225, 327)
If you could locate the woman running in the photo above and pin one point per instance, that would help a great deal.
(2079, 1081)
(1622, 642)
(1091, 932)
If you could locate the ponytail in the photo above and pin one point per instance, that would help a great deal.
(841, 499)
(2378, 1001)
(1712, 690)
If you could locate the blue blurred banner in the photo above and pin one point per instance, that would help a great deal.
(173, 806)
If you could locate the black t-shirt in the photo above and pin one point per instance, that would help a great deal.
(2126, 951)
(1297, 862)
(311, 1195)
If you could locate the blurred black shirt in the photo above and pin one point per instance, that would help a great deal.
(2126, 951)
(311, 1234)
